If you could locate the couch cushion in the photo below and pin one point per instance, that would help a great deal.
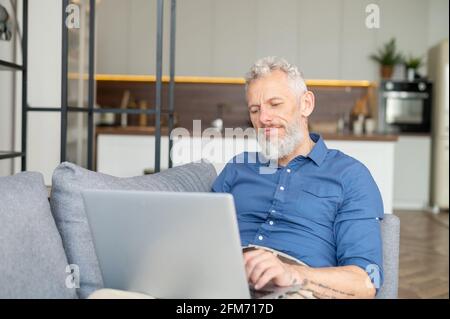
(32, 258)
(67, 206)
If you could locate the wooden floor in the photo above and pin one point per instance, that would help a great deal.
(424, 255)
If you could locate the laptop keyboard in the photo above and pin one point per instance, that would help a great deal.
(273, 292)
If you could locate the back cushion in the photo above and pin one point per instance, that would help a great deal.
(67, 206)
(33, 263)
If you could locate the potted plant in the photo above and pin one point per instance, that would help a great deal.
(387, 57)
(412, 63)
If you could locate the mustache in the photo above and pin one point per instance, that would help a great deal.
(280, 125)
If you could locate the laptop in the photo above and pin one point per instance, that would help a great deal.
(170, 244)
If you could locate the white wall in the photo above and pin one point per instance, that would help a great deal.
(327, 39)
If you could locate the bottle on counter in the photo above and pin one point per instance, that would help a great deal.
(358, 125)
(132, 119)
(123, 105)
(341, 124)
(359, 112)
(143, 118)
(369, 126)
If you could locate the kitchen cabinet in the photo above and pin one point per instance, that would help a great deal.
(378, 157)
(233, 37)
(326, 39)
(412, 172)
(356, 42)
(276, 29)
(130, 155)
(195, 37)
(319, 36)
(113, 38)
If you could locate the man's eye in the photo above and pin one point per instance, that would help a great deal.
(276, 104)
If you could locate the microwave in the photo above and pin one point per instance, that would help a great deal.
(404, 106)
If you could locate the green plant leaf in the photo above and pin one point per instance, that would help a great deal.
(387, 54)
(413, 62)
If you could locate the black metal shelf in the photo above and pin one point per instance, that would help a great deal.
(10, 66)
(9, 154)
(64, 109)
(5, 65)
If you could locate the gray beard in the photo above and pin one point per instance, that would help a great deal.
(275, 148)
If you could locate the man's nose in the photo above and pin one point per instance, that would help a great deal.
(265, 116)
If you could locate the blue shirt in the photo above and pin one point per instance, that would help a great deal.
(323, 209)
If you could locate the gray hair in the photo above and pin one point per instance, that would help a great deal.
(268, 64)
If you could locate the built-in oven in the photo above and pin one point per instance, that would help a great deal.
(404, 106)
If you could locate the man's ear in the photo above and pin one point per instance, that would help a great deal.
(307, 102)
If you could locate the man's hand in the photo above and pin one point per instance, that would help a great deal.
(263, 266)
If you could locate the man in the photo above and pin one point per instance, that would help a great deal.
(319, 206)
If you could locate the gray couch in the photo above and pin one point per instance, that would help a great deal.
(46, 250)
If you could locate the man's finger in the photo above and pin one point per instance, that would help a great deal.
(253, 253)
(252, 263)
(260, 268)
(267, 276)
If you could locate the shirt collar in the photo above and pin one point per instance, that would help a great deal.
(319, 150)
(317, 154)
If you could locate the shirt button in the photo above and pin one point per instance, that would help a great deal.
(282, 188)
(272, 211)
(288, 170)
(271, 223)
(260, 237)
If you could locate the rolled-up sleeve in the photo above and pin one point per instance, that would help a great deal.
(357, 225)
